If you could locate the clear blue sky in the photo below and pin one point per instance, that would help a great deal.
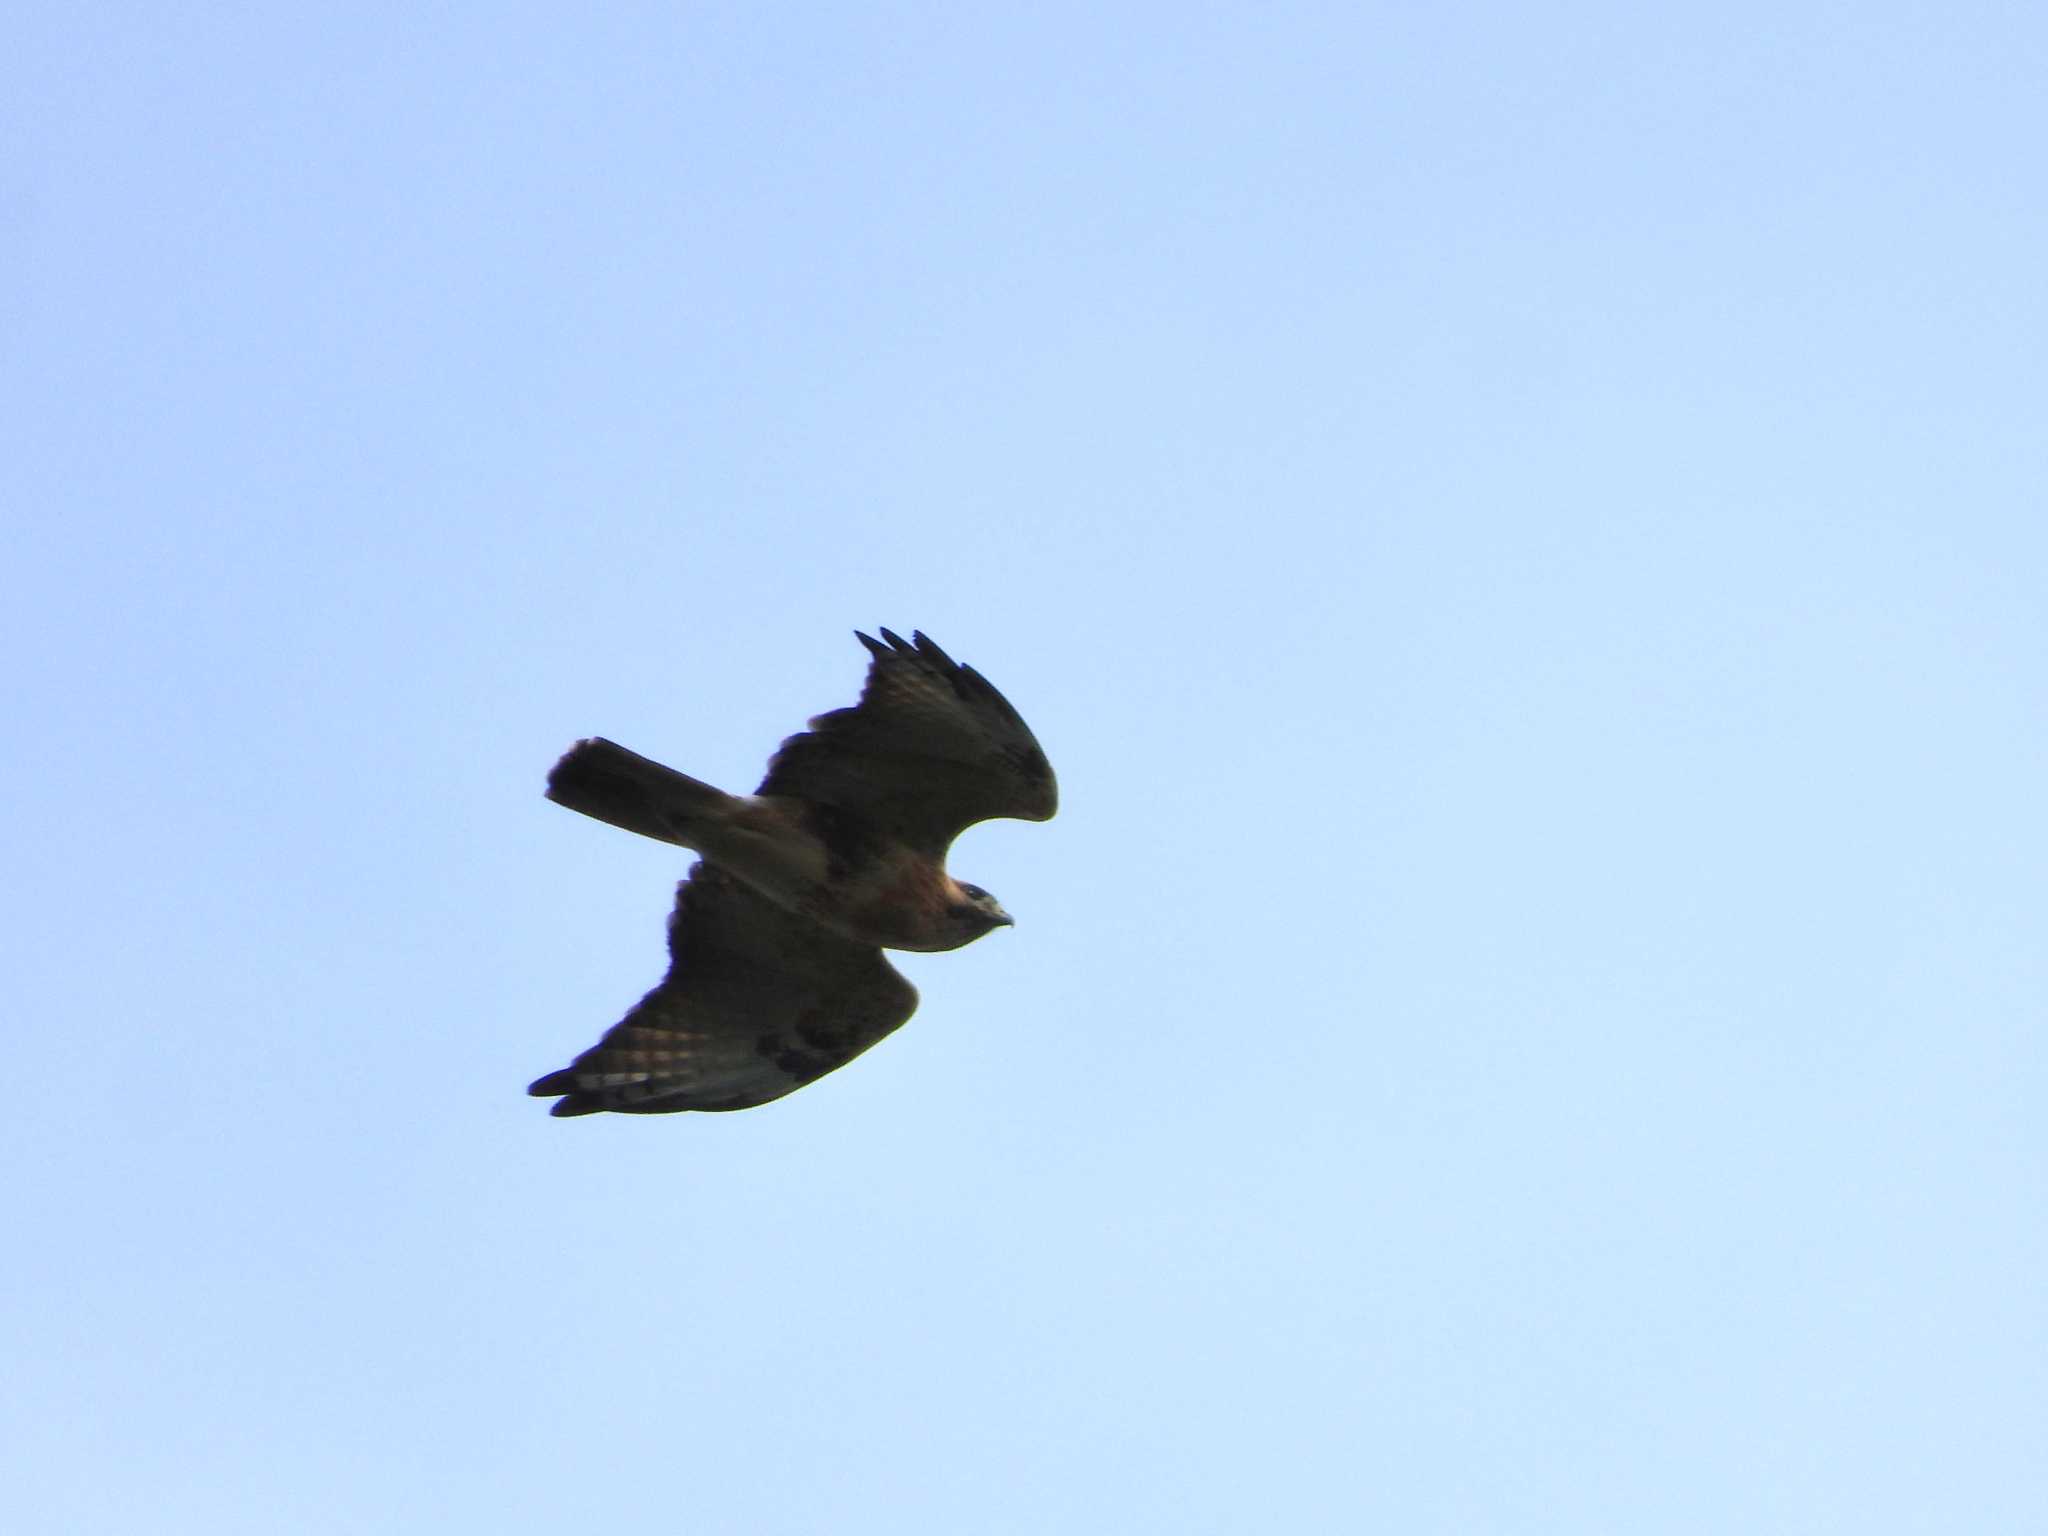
(1521, 528)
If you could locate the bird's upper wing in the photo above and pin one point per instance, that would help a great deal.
(757, 1002)
(930, 749)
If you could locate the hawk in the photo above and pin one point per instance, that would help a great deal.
(776, 973)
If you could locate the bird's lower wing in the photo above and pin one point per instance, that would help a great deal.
(757, 1002)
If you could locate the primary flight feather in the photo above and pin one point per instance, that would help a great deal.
(776, 973)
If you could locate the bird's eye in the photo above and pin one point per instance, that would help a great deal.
(974, 892)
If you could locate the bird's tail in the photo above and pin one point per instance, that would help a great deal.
(601, 778)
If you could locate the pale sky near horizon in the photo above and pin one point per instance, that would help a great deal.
(1522, 532)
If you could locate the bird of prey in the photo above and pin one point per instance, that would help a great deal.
(776, 973)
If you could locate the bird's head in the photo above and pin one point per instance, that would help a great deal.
(976, 912)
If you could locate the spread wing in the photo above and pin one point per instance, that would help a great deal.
(930, 749)
(757, 1002)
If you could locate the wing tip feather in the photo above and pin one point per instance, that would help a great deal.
(919, 647)
(562, 1088)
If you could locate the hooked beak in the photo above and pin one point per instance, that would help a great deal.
(1002, 919)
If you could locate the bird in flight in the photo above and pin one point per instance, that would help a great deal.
(776, 974)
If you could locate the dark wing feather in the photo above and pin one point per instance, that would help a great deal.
(757, 1002)
(930, 749)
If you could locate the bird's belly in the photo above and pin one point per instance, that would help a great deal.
(771, 851)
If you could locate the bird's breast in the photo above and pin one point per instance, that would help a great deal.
(838, 872)
(907, 905)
